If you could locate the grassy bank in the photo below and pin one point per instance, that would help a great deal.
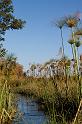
(7, 108)
(59, 96)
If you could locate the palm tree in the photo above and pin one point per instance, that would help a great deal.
(10, 62)
(32, 68)
(60, 23)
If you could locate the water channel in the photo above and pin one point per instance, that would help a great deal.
(28, 112)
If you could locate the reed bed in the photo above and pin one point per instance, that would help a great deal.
(6, 105)
(59, 100)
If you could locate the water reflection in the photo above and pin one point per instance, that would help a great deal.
(28, 112)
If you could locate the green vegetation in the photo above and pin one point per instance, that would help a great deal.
(56, 86)
(7, 21)
(7, 108)
(10, 71)
(59, 104)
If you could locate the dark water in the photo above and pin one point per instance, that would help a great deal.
(28, 112)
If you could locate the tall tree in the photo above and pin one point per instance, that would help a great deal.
(7, 21)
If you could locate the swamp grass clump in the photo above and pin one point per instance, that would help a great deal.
(59, 103)
(6, 105)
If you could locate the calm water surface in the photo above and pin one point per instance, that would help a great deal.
(28, 112)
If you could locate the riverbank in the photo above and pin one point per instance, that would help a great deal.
(58, 96)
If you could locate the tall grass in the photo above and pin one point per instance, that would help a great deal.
(6, 105)
(59, 103)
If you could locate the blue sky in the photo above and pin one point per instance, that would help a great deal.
(39, 40)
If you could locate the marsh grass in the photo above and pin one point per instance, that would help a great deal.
(59, 103)
(6, 105)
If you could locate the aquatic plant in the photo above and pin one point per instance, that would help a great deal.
(60, 24)
(6, 105)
